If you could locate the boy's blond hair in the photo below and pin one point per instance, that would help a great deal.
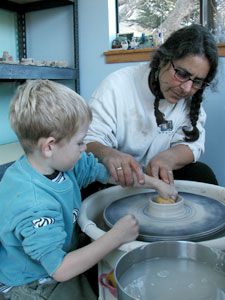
(44, 108)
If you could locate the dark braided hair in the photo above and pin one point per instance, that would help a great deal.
(190, 40)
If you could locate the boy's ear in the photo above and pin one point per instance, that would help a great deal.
(47, 146)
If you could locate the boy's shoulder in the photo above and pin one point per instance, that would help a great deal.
(19, 178)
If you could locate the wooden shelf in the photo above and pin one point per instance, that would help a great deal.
(23, 72)
(221, 49)
(145, 54)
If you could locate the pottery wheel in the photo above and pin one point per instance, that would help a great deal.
(202, 217)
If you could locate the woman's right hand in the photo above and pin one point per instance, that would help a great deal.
(122, 168)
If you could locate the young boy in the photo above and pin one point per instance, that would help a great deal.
(40, 198)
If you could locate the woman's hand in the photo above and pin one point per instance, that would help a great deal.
(122, 168)
(160, 167)
(163, 164)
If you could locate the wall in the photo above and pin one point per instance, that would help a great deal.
(50, 34)
(94, 36)
(214, 104)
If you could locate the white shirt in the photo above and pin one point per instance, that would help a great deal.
(123, 117)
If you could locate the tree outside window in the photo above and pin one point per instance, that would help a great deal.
(160, 18)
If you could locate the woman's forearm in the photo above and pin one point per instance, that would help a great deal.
(180, 156)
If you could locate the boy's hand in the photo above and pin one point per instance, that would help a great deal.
(126, 229)
(167, 191)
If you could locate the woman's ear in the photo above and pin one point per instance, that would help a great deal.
(47, 146)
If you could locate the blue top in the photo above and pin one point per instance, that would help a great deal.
(38, 217)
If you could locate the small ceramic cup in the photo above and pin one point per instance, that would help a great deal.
(108, 281)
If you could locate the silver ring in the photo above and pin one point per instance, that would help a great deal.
(170, 172)
(119, 168)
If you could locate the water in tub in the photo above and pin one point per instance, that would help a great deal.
(173, 279)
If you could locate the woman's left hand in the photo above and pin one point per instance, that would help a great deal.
(159, 167)
(163, 164)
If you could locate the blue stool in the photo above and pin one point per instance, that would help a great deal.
(4, 167)
(2, 171)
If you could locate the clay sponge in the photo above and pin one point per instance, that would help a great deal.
(164, 201)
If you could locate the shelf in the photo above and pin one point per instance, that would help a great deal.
(10, 72)
(23, 72)
(27, 6)
(118, 56)
(145, 54)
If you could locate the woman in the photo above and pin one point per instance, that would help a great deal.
(151, 117)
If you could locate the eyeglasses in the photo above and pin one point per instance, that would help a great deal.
(184, 76)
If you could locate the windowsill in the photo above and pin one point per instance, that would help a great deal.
(145, 54)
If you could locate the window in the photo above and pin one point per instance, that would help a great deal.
(158, 18)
